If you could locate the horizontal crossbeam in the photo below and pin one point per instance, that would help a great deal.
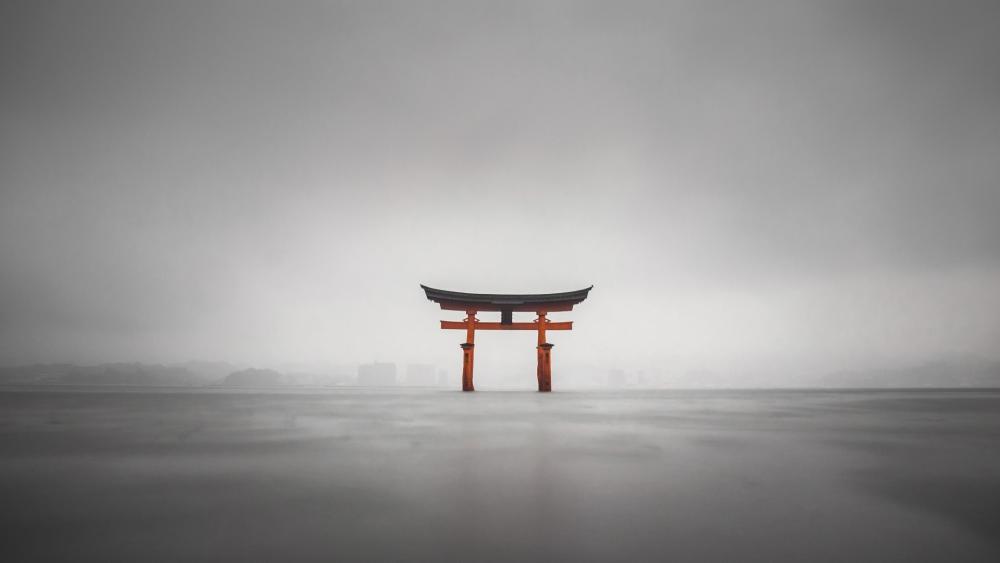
(481, 325)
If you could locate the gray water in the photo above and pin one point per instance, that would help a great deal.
(421, 475)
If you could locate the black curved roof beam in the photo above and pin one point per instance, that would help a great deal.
(461, 301)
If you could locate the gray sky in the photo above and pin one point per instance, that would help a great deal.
(749, 185)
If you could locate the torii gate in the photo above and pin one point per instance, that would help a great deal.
(540, 303)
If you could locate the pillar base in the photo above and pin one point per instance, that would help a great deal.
(467, 360)
(544, 367)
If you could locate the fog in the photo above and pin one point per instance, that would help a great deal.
(770, 187)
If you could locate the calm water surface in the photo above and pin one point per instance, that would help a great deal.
(421, 475)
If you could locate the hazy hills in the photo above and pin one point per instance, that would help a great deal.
(181, 374)
(186, 374)
(952, 373)
(940, 373)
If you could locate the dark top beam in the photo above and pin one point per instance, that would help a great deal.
(460, 301)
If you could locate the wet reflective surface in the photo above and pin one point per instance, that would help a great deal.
(421, 475)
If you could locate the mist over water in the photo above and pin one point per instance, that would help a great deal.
(215, 218)
(783, 187)
(409, 475)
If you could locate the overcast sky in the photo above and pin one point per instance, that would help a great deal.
(806, 185)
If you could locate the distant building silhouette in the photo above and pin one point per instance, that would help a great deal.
(377, 374)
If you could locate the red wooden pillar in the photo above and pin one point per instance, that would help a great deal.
(468, 351)
(467, 355)
(544, 371)
(545, 367)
